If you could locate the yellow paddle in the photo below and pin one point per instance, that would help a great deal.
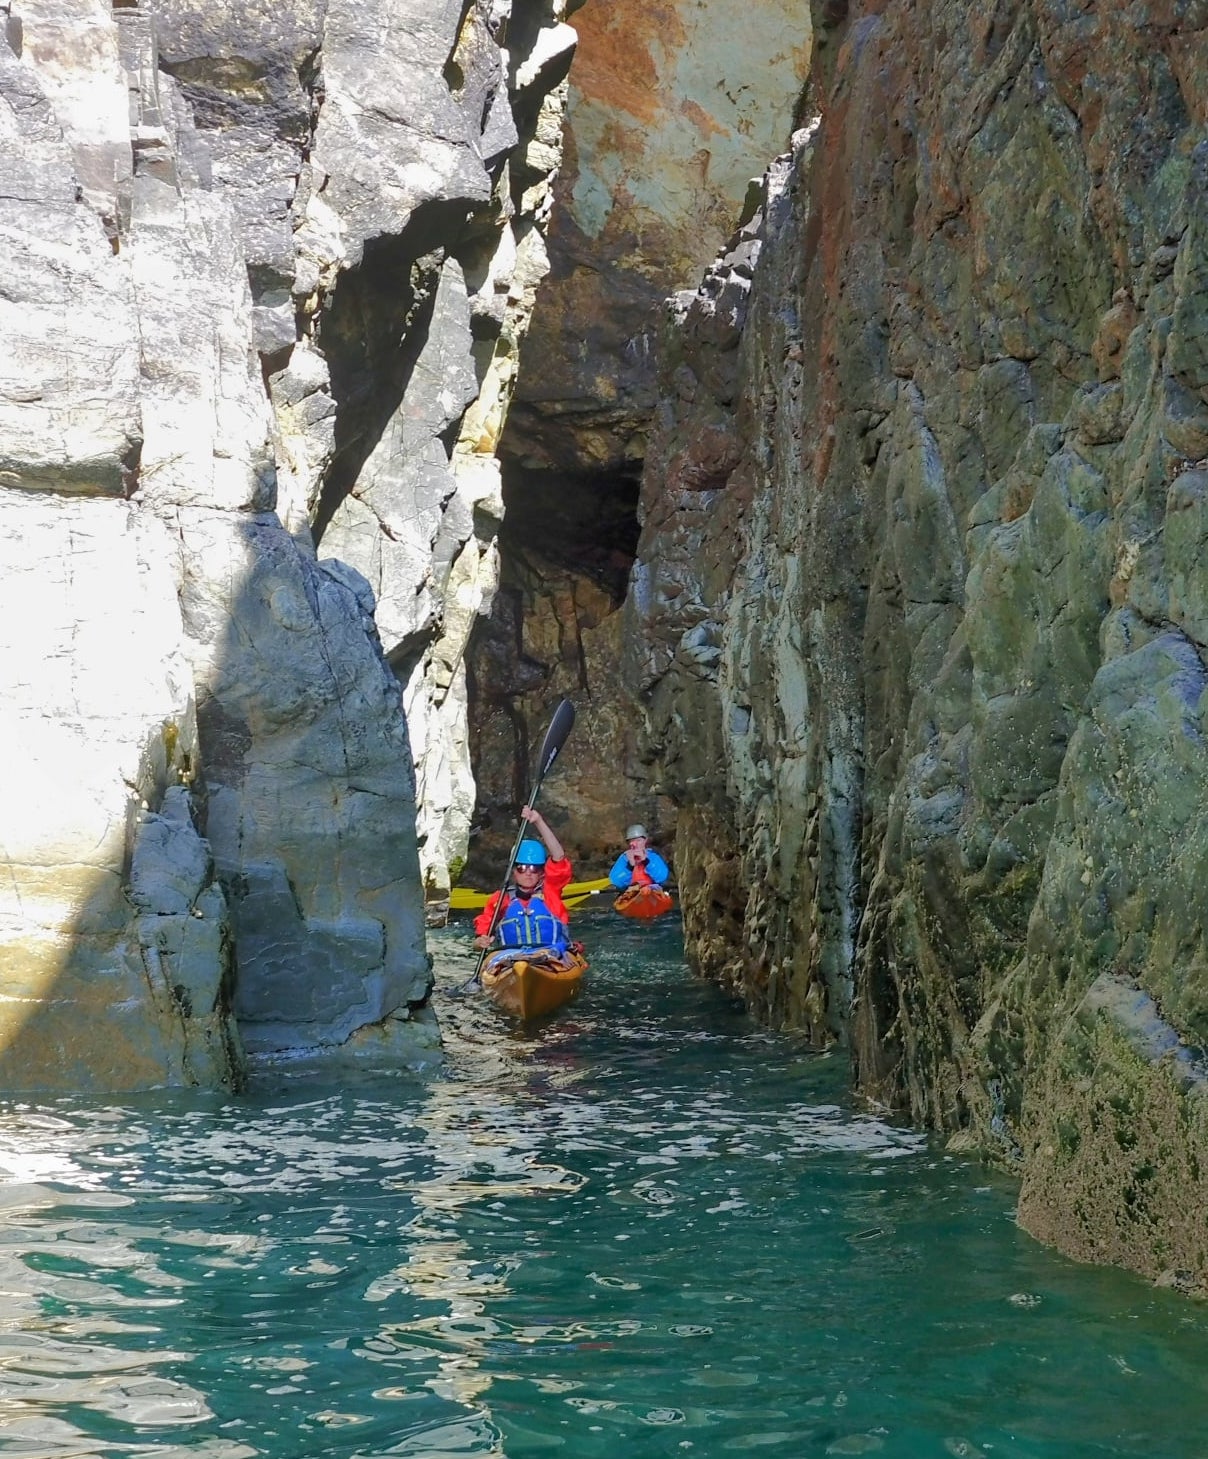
(578, 892)
(466, 899)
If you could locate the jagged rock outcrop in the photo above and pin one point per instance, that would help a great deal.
(236, 239)
(673, 111)
(921, 587)
(413, 499)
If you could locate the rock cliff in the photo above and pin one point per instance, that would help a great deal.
(672, 110)
(919, 600)
(236, 237)
(918, 620)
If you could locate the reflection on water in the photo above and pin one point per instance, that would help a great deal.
(645, 1225)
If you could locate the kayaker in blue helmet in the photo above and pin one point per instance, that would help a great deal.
(639, 864)
(534, 914)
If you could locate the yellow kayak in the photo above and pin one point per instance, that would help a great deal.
(465, 899)
(527, 982)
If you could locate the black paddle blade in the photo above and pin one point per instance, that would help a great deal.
(555, 737)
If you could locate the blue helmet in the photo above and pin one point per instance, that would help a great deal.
(530, 853)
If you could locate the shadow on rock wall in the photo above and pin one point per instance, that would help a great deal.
(125, 938)
(307, 788)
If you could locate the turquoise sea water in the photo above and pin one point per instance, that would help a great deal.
(646, 1228)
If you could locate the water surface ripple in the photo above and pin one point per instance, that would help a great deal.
(645, 1227)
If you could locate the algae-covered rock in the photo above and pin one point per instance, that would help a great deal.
(1118, 1172)
(952, 749)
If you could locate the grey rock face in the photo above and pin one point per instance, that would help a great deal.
(388, 105)
(311, 796)
(238, 235)
(953, 771)
(170, 866)
(392, 518)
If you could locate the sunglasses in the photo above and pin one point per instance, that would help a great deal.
(521, 867)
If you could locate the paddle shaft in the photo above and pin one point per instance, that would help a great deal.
(555, 738)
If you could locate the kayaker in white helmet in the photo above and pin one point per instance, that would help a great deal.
(639, 864)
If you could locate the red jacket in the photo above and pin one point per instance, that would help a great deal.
(557, 874)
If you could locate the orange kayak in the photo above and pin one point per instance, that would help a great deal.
(527, 982)
(644, 901)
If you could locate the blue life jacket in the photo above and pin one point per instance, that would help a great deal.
(531, 924)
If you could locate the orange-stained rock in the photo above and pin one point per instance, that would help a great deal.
(673, 109)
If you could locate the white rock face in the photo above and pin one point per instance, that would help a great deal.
(69, 402)
(208, 797)
(112, 933)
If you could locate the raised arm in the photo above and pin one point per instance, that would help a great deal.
(537, 821)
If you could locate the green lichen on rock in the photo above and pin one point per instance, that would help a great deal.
(956, 728)
(1118, 1165)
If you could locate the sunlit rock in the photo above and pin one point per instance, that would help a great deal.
(113, 934)
(212, 787)
(671, 113)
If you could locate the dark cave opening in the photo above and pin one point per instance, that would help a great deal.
(583, 523)
(566, 546)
